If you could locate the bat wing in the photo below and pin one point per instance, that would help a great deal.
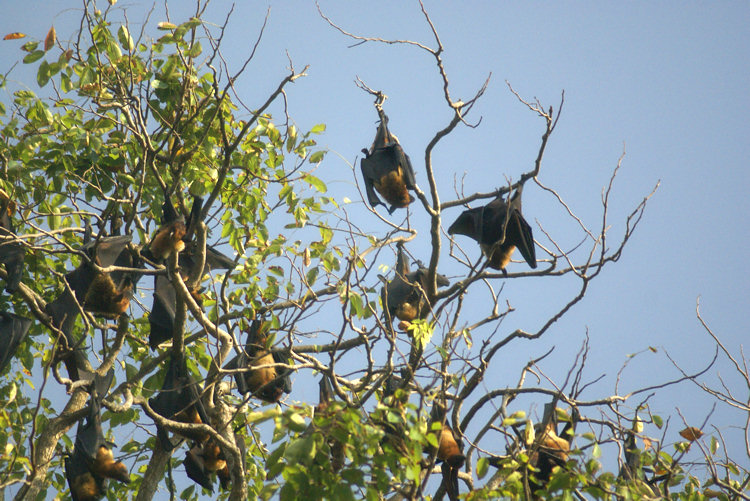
(13, 329)
(283, 380)
(108, 249)
(326, 391)
(195, 468)
(90, 437)
(193, 218)
(467, 223)
(162, 314)
(215, 260)
(371, 166)
(520, 233)
(84, 486)
(11, 255)
(400, 158)
(169, 213)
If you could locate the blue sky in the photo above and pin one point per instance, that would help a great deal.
(665, 81)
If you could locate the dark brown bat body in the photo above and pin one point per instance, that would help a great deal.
(161, 318)
(266, 383)
(64, 310)
(92, 461)
(13, 329)
(180, 401)
(487, 225)
(84, 486)
(203, 461)
(387, 170)
(405, 297)
(11, 252)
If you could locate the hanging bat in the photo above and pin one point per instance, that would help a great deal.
(550, 449)
(487, 225)
(405, 296)
(161, 318)
(202, 462)
(323, 408)
(105, 298)
(449, 452)
(11, 252)
(65, 308)
(268, 383)
(387, 170)
(92, 461)
(179, 400)
(13, 329)
(171, 237)
(84, 485)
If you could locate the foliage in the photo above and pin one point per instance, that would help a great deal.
(122, 123)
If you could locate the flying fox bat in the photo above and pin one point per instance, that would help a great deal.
(268, 383)
(13, 329)
(179, 400)
(65, 308)
(84, 485)
(550, 449)
(405, 297)
(336, 446)
(92, 461)
(203, 461)
(161, 318)
(174, 232)
(449, 452)
(11, 253)
(387, 170)
(487, 225)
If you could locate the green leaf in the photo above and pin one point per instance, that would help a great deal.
(316, 183)
(43, 74)
(483, 464)
(317, 157)
(317, 129)
(123, 35)
(301, 450)
(657, 421)
(33, 57)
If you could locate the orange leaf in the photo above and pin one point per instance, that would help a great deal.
(50, 39)
(14, 36)
(691, 433)
(646, 444)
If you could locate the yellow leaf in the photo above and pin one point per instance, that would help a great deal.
(691, 433)
(50, 39)
(14, 36)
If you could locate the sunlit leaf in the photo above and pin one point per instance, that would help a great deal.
(14, 36)
(691, 433)
(50, 39)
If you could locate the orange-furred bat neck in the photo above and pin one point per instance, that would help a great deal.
(448, 449)
(105, 466)
(500, 257)
(168, 239)
(392, 186)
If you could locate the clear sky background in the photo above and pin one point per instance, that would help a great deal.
(667, 82)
